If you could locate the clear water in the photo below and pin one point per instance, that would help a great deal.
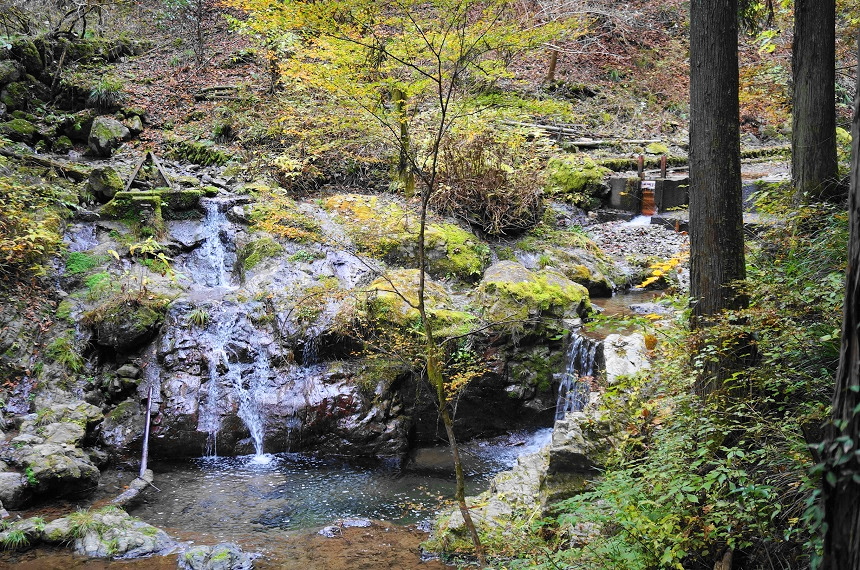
(228, 497)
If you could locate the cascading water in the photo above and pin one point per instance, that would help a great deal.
(230, 379)
(574, 386)
(213, 255)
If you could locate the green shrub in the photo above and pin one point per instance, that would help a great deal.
(78, 262)
(63, 351)
(106, 94)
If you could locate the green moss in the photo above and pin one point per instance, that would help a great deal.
(385, 229)
(78, 262)
(280, 215)
(657, 148)
(19, 128)
(63, 351)
(204, 153)
(575, 178)
(220, 556)
(64, 311)
(123, 411)
(515, 298)
(181, 199)
(258, 250)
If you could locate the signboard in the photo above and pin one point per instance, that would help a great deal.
(649, 184)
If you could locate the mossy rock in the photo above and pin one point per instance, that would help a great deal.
(77, 127)
(657, 148)
(27, 53)
(257, 251)
(62, 145)
(204, 153)
(517, 300)
(10, 71)
(19, 130)
(577, 179)
(126, 323)
(104, 182)
(180, 200)
(106, 134)
(392, 300)
(385, 229)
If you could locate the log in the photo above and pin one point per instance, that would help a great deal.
(135, 488)
(69, 170)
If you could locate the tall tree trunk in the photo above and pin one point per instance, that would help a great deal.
(842, 493)
(716, 208)
(813, 136)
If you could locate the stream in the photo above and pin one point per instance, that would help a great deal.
(276, 506)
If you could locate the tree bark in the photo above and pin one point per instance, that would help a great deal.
(716, 209)
(841, 495)
(814, 169)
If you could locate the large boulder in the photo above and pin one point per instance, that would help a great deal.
(517, 300)
(56, 469)
(106, 135)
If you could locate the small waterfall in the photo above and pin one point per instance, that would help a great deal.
(574, 387)
(231, 380)
(213, 253)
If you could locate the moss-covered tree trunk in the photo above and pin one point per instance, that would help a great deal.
(841, 482)
(716, 209)
(813, 135)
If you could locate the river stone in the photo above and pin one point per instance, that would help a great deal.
(119, 535)
(222, 556)
(104, 183)
(106, 135)
(624, 355)
(58, 531)
(14, 490)
(134, 125)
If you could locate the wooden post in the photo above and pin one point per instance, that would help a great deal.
(145, 453)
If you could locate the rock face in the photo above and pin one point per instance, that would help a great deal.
(49, 453)
(106, 135)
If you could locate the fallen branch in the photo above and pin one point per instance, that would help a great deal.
(69, 170)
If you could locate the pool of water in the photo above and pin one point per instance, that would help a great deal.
(230, 496)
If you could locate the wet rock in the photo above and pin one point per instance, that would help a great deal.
(223, 556)
(57, 469)
(188, 235)
(104, 182)
(64, 433)
(106, 135)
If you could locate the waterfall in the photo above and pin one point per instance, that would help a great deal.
(574, 386)
(213, 254)
(231, 380)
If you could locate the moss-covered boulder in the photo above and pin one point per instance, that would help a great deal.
(104, 182)
(386, 229)
(19, 130)
(657, 148)
(127, 322)
(10, 71)
(393, 299)
(577, 179)
(62, 145)
(77, 127)
(25, 51)
(106, 135)
(518, 300)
